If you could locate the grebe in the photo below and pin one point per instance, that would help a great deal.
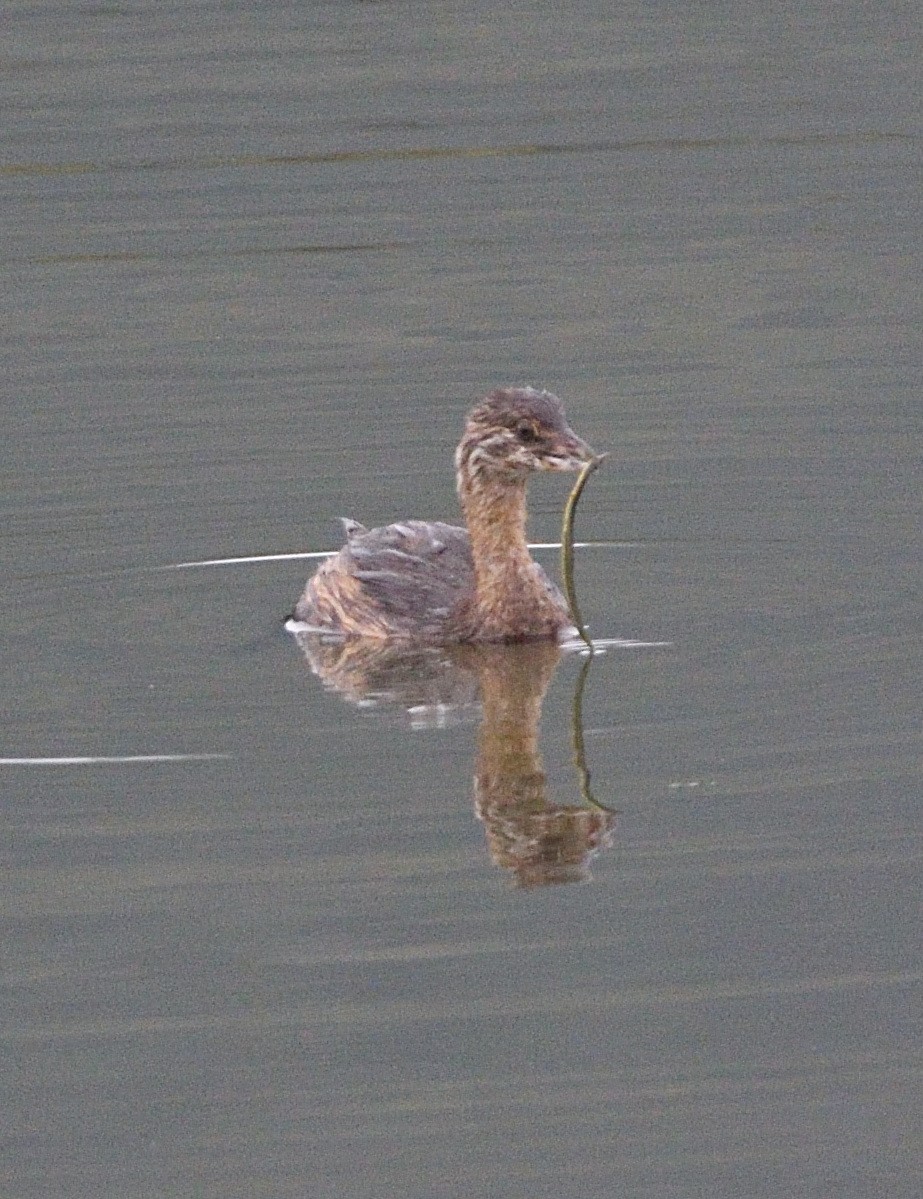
(430, 582)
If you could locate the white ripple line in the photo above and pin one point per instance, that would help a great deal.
(252, 558)
(107, 760)
(534, 545)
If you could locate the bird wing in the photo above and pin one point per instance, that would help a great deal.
(412, 567)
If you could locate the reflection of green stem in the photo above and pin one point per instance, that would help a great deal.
(577, 738)
(567, 547)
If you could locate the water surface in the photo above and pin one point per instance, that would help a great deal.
(257, 261)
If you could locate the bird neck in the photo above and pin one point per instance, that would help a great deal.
(495, 513)
(511, 599)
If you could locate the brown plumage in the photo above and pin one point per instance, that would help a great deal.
(431, 582)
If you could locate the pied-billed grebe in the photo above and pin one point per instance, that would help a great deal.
(431, 582)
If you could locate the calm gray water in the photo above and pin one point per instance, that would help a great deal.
(257, 260)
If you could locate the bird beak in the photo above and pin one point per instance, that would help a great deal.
(570, 453)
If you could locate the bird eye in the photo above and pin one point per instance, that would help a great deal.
(527, 432)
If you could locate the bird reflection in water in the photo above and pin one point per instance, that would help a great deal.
(538, 841)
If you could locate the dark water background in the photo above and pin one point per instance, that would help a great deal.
(257, 259)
